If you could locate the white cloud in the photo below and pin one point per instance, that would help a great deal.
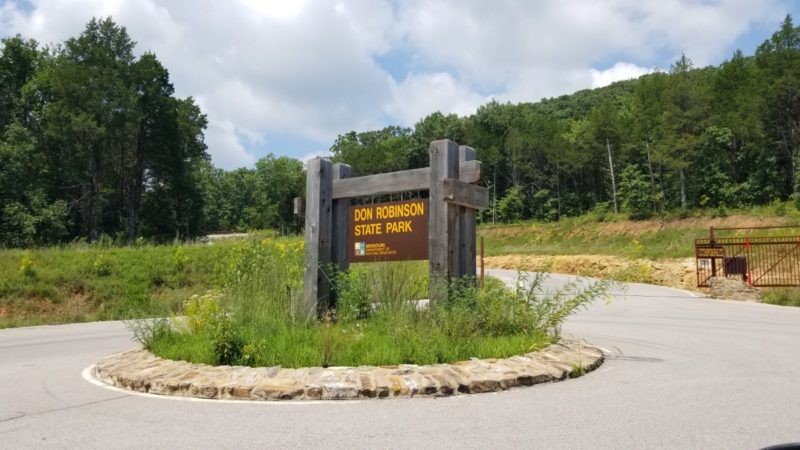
(421, 94)
(620, 71)
(307, 68)
(222, 135)
(503, 44)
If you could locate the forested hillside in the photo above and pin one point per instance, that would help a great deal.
(93, 141)
(722, 136)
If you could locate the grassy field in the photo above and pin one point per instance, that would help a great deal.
(81, 282)
(614, 235)
(85, 282)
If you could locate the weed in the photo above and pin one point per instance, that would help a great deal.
(577, 371)
(148, 331)
(26, 265)
(100, 265)
(781, 296)
(179, 259)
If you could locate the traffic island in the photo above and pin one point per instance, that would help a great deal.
(141, 371)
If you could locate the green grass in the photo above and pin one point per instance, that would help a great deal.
(82, 282)
(671, 236)
(781, 296)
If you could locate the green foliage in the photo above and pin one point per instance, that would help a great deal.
(228, 345)
(378, 319)
(179, 259)
(200, 312)
(81, 282)
(385, 150)
(92, 141)
(635, 193)
(353, 294)
(781, 296)
(511, 208)
(148, 332)
(26, 265)
(100, 265)
(577, 371)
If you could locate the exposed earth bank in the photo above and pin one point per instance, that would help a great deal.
(676, 273)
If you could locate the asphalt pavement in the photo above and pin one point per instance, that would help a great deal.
(681, 372)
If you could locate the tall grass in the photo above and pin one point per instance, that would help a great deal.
(781, 296)
(669, 236)
(378, 320)
(82, 282)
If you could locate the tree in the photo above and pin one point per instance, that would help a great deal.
(278, 180)
(635, 193)
(19, 59)
(371, 152)
(511, 208)
(685, 119)
(431, 128)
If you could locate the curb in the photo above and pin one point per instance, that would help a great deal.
(139, 370)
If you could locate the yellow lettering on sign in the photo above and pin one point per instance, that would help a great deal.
(361, 214)
(368, 229)
(398, 211)
(403, 226)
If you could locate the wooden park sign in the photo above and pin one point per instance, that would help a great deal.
(395, 231)
(441, 228)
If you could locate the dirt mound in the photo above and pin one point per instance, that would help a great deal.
(677, 273)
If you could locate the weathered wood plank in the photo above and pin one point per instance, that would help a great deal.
(469, 195)
(406, 180)
(442, 218)
(319, 187)
(341, 211)
(470, 171)
(467, 225)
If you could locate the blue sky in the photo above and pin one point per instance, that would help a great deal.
(286, 77)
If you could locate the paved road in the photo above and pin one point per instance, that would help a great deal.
(683, 372)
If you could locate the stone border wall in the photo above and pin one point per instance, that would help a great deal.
(142, 371)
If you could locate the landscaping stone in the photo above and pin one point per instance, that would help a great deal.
(733, 289)
(140, 370)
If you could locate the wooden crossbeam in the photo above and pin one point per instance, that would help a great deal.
(406, 180)
(468, 195)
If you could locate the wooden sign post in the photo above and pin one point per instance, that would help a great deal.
(450, 209)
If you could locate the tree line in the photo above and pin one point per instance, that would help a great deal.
(713, 137)
(93, 141)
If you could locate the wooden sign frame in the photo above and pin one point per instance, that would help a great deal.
(453, 203)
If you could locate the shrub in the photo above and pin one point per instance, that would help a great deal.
(100, 265)
(781, 296)
(511, 208)
(148, 331)
(636, 193)
(228, 343)
(179, 259)
(26, 265)
(199, 312)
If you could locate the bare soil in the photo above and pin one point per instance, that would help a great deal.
(676, 273)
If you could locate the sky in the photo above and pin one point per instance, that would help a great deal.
(288, 76)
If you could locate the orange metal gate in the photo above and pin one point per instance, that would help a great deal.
(761, 261)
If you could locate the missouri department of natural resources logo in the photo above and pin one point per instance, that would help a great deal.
(361, 248)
